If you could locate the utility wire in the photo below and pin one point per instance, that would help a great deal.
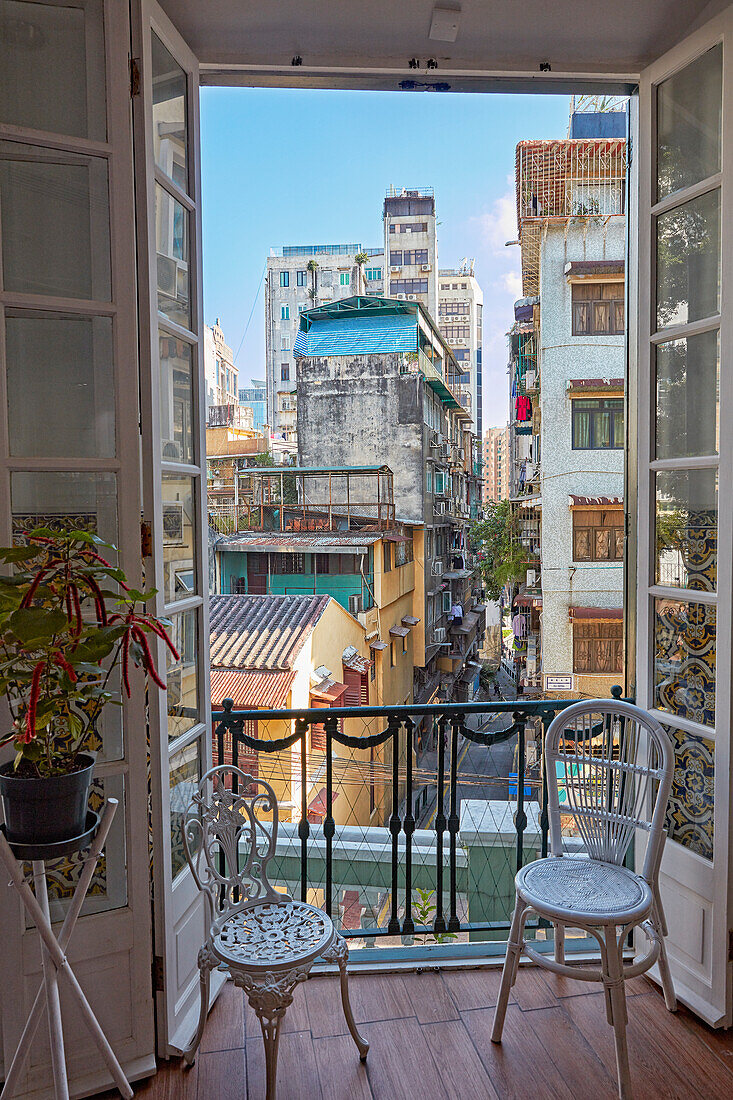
(251, 312)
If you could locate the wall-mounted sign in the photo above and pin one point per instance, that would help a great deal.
(558, 683)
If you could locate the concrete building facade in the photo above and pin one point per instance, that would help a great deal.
(460, 316)
(411, 246)
(255, 398)
(567, 397)
(300, 277)
(221, 375)
(496, 465)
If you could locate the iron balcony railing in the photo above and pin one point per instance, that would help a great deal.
(409, 851)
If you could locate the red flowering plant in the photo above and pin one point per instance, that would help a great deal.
(63, 631)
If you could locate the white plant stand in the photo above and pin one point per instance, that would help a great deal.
(53, 950)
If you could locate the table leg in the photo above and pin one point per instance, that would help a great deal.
(50, 980)
(67, 928)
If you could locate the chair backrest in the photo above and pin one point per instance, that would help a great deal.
(609, 767)
(219, 817)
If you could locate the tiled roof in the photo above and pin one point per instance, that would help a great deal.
(300, 540)
(264, 689)
(265, 632)
(595, 384)
(584, 268)
(589, 502)
(597, 614)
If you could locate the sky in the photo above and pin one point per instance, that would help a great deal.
(286, 166)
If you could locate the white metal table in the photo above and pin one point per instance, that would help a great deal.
(53, 950)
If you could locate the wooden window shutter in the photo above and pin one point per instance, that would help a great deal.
(352, 695)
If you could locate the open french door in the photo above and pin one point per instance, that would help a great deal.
(685, 464)
(70, 453)
(174, 489)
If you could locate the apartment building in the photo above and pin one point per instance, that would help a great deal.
(222, 377)
(411, 246)
(496, 464)
(379, 380)
(567, 399)
(300, 277)
(460, 316)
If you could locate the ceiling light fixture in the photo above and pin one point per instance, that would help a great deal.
(444, 24)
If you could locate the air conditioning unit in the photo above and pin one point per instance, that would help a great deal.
(529, 380)
(355, 605)
(437, 569)
(395, 270)
(412, 297)
(438, 508)
(433, 439)
(167, 275)
(401, 296)
(531, 578)
(439, 633)
(426, 267)
(445, 450)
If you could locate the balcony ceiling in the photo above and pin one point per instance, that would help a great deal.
(495, 36)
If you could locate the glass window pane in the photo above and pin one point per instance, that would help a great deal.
(684, 659)
(176, 399)
(54, 219)
(690, 816)
(689, 120)
(171, 236)
(688, 261)
(687, 529)
(185, 773)
(688, 399)
(84, 500)
(183, 712)
(66, 364)
(52, 68)
(179, 529)
(169, 115)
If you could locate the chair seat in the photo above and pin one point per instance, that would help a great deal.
(274, 935)
(584, 888)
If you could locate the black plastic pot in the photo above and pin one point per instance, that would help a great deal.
(43, 811)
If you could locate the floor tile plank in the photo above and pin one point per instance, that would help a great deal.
(297, 1074)
(460, 1068)
(222, 1074)
(340, 1071)
(400, 1065)
(474, 988)
(518, 1066)
(429, 997)
(225, 1026)
(296, 1016)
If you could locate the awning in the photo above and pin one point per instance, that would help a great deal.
(576, 386)
(523, 601)
(399, 631)
(266, 689)
(328, 690)
(594, 269)
(595, 502)
(596, 614)
(392, 536)
(458, 574)
(469, 623)
(409, 620)
(377, 644)
(319, 805)
(355, 661)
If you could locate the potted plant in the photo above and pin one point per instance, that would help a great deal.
(68, 620)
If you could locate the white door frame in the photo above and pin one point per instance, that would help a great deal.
(178, 907)
(696, 891)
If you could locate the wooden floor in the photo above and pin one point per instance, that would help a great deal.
(429, 1036)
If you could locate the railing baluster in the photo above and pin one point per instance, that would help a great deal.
(301, 725)
(453, 822)
(440, 925)
(329, 825)
(393, 724)
(544, 812)
(408, 924)
(521, 768)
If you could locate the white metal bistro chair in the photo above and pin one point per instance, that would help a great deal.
(609, 769)
(265, 940)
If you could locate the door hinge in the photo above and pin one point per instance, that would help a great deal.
(146, 539)
(134, 78)
(158, 974)
(730, 945)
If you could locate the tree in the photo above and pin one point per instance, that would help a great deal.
(361, 258)
(496, 539)
(313, 289)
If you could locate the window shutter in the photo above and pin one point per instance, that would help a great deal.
(352, 695)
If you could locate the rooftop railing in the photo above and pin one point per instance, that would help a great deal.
(402, 822)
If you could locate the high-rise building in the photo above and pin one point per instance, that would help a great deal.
(496, 464)
(567, 409)
(460, 317)
(411, 246)
(301, 277)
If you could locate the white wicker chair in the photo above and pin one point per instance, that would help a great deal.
(609, 768)
(265, 940)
